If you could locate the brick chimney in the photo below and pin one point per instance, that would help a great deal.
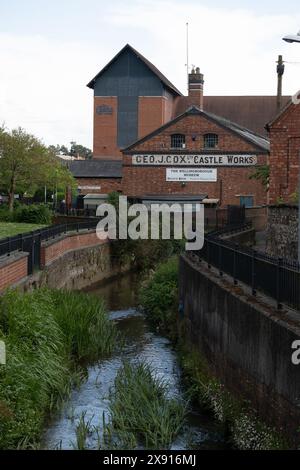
(196, 87)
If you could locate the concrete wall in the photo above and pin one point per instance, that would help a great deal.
(247, 344)
(282, 231)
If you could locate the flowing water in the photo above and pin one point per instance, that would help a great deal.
(141, 343)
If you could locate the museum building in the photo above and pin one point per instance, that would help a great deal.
(152, 142)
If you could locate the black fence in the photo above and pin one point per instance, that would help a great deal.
(274, 277)
(31, 242)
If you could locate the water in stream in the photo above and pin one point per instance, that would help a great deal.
(91, 398)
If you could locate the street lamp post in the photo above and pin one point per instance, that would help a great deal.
(296, 38)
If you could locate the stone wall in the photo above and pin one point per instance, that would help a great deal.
(247, 343)
(77, 269)
(70, 261)
(282, 231)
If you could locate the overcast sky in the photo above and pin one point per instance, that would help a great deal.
(50, 49)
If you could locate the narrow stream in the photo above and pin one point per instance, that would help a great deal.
(91, 398)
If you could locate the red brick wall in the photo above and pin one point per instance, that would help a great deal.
(231, 181)
(105, 129)
(195, 125)
(12, 272)
(150, 114)
(56, 249)
(106, 185)
(285, 155)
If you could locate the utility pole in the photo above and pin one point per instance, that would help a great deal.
(290, 39)
(280, 72)
(187, 55)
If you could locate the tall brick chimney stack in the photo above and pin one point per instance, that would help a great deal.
(196, 87)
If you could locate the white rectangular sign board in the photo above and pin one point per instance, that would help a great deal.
(191, 174)
(195, 160)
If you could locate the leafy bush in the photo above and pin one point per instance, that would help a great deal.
(45, 333)
(34, 214)
(5, 215)
(159, 296)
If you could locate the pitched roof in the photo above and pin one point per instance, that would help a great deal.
(148, 64)
(251, 112)
(96, 168)
(261, 142)
(280, 113)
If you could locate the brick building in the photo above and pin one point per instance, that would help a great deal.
(284, 132)
(141, 118)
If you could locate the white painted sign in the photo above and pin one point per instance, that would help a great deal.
(191, 174)
(197, 160)
(89, 187)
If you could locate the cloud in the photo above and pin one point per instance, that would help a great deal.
(42, 80)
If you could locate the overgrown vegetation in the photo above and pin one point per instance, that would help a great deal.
(143, 255)
(141, 411)
(262, 174)
(245, 430)
(159, 299)
(158, 296)
(47, 333)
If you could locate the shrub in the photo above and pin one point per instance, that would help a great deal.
(159, 296)
(33, 214)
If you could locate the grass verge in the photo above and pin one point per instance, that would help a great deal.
(46, 333)
(9, 229)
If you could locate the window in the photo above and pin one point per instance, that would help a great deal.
(210, 141)
(246, 201)
(177, 141)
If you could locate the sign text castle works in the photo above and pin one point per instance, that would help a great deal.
(199, 160)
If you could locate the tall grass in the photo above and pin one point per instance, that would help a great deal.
(141, 409)
(46, 332)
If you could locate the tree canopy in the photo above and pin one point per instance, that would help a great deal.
(25, 164)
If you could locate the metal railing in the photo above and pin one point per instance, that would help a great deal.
(31, 242)
(275, 277)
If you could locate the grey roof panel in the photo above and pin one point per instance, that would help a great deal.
(96, 168)
(152, 67)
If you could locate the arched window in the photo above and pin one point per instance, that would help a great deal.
(210, 141)
(177, 141)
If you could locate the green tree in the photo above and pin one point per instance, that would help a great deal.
(262, 173)
(25, 164)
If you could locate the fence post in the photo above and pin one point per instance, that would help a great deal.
(220, 260)
(208, 250)
(253, 274)
(234, 264)
(278, 272)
